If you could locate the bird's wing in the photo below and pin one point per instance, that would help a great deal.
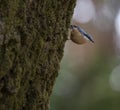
(82, 31)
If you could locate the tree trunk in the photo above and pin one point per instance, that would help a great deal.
(32, 38)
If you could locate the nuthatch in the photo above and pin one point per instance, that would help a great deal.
(79, 36)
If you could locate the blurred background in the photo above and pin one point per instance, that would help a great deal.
(89, 77)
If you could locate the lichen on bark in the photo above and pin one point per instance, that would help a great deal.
(32, 38)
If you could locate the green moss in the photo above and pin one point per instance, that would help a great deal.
(34, 35)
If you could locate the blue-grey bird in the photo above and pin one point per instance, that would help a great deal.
(79, 36)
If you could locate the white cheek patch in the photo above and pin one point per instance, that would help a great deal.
(85, 37)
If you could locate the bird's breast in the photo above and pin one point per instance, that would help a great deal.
(76, 37)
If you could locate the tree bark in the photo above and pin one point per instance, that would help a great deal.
(32, 38)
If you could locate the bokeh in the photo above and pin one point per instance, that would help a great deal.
(89, 77)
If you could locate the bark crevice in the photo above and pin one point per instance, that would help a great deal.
(32, 38)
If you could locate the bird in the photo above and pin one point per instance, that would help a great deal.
(79, 35)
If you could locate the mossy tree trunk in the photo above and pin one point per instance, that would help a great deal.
(32, 38)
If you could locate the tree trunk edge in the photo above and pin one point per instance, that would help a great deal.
(32, 39)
